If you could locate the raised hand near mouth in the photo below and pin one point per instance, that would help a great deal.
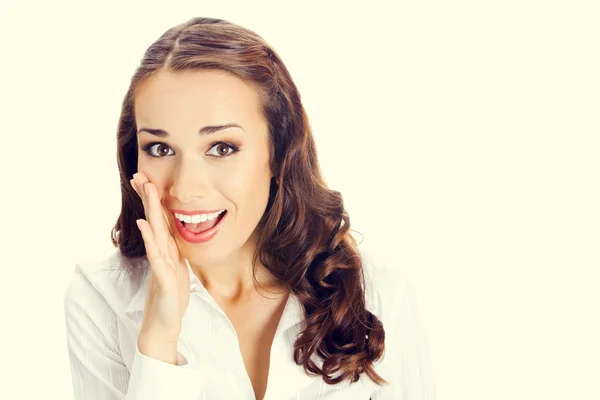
(169, 283)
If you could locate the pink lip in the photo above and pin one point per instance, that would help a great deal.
(196, 211)
(200, 237)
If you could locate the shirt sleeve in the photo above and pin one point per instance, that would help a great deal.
(97, 367)
(410, 375)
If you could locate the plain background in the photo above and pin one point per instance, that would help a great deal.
(463, 135)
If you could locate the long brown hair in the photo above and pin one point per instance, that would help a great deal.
(305, 235)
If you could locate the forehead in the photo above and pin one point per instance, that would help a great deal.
(194, 97)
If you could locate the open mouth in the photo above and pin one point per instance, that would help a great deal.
(202, 226)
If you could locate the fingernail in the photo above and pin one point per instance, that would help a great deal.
(146, 189)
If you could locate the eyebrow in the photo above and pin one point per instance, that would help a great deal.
(207, 130)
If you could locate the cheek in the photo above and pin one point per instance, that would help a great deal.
(157, 175)
(246, 184)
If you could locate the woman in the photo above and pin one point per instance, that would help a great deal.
(241, 279)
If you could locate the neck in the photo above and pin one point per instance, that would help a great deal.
(231, 278)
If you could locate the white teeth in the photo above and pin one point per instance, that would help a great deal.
(198, 217)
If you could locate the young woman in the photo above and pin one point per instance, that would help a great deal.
(236, 276)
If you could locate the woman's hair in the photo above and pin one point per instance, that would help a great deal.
(304, 233)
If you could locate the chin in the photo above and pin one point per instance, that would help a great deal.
(217, 250)
(205, 254)
(202, 254)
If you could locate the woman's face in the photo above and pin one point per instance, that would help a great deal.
(197, 169)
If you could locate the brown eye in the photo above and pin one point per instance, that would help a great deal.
(222, 150)
(158, 150)
(163, 150)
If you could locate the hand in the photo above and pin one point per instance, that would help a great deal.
(169, 285)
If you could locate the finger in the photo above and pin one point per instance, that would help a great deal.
(167, 216)
(140, 180)
(154, 255)
(143, 182)
(157, 220)
(138, 177)
(136, 188)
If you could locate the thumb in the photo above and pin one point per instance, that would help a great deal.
(166, 219)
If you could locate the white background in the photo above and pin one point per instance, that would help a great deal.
(463, 135)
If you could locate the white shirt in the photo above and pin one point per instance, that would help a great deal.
(104, 307)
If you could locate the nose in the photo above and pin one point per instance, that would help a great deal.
(191, 181)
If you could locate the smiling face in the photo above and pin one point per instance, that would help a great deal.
(198, 168)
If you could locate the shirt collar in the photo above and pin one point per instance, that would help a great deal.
(138, 301)
(292, 313)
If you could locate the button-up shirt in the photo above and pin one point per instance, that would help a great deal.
(104, 306)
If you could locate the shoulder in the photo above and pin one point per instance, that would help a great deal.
(387, 286)
(391, 296)
(112, 277)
